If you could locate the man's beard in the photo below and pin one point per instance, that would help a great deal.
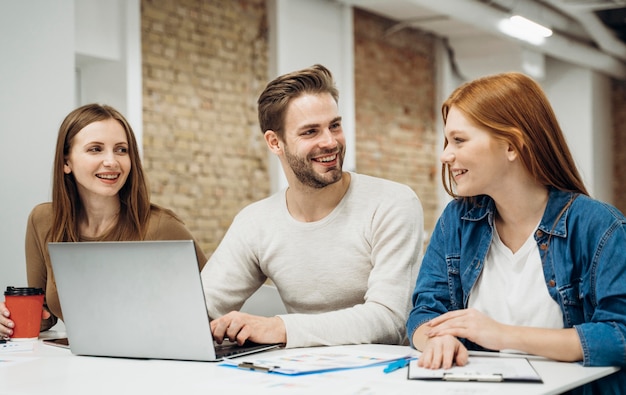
(306, 175)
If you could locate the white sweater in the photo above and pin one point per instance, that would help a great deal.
(346, 279)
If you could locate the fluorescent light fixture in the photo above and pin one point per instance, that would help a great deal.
(524, 29)
(531, 26)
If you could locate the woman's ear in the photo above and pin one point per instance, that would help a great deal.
(511, 153)
(67, 169)
(273, 142)
(516, 140)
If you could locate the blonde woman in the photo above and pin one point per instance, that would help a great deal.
(99, 193)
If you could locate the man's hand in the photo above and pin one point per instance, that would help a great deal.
(239, 327)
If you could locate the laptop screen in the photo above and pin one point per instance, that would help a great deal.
(140, 299)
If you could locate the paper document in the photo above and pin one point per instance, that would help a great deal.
(479, 369)
(11, 346)
(315, 360)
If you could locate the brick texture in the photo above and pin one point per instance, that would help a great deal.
(395, 107)
(204, 64)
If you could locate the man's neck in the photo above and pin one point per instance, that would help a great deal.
(307, 204)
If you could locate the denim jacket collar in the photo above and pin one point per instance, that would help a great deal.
(552, 221)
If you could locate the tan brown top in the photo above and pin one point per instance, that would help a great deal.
(163, 226)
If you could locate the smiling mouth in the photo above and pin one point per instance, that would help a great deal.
(326, 159)
(108, 176)
(456, 173)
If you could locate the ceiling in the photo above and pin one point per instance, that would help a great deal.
(590, 33)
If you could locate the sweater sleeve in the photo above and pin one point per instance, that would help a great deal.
(38, 267)
(36, 270)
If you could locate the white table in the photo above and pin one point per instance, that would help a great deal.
(53, 370)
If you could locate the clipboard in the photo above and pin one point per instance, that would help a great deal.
(480, 369)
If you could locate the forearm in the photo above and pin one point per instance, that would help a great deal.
(557, 344)
(229, 277)
(366, 323)
(470, 324)
(419, 338)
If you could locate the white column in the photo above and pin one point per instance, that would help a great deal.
(37, 80)
(581, 101)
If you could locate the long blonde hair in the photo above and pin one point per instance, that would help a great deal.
(67, 207)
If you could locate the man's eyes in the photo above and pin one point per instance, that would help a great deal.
(332, 127)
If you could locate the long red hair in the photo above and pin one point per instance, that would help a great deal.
(514, 109)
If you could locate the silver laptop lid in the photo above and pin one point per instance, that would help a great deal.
(139, 299)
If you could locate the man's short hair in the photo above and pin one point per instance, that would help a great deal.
(274, 100)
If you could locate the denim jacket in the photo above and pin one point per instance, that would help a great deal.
(583, 250)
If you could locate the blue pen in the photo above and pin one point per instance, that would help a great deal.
(395, 365)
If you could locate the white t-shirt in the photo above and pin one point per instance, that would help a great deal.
(512, 290)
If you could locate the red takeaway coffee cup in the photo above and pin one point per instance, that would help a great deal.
(25, 305)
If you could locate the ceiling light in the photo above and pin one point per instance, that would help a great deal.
(524, 29)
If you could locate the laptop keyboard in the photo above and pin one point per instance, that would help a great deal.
(228, 348)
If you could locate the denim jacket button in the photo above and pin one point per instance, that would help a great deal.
(551, 283)
(543, 247)
(539, 233)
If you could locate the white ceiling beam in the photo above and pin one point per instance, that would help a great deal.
(602, 35)
(485, 18)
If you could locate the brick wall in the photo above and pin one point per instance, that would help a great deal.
(618, 102)
(204, 65)
(395, 107)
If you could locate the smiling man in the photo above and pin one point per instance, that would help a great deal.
(342, 248)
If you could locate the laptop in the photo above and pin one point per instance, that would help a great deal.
(137, 299)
